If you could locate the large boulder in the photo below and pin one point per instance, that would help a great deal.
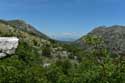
(8, 45)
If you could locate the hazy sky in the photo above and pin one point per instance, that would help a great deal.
(68, 18)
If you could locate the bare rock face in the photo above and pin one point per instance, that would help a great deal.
(8, 45)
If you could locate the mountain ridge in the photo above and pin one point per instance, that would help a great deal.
(114, 36)
(22, 25)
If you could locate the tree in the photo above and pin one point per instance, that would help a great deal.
(100, 56)
(46, 51)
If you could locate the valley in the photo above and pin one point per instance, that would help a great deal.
(97, 57)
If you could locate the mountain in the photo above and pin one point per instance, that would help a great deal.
(114, 37)
(22, 25)
(34, 39)
(38, 59)
(66, 39)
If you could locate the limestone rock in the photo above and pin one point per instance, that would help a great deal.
(8, 45)
(2, 55)
(46, 65)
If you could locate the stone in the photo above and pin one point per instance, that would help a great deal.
(46, 65)
(8, 45)
(2, 55)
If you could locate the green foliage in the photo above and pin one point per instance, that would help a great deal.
(93, 40)
(95, 65)
(46, 51)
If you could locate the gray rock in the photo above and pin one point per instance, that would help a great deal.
(46, 65)
(8, 45)
(2, 55)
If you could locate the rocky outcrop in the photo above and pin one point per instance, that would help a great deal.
(8, 45)
(59, 52)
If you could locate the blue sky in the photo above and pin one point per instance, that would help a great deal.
(65, 18)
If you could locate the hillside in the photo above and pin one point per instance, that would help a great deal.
(35, 51)
(114, 37)
(38, 59)
(33, 38)
(22, 25)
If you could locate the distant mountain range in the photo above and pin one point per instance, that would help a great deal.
(70, 39)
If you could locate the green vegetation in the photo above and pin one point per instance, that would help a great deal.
(33, 61)
(95, 66)
(46, 51)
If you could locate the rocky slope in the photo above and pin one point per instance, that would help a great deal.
(22, 25)
(114, 37)
(37, 41)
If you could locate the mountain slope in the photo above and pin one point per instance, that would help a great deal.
(33, 38)
(39, 60)
(114, 37)
(22, 25)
